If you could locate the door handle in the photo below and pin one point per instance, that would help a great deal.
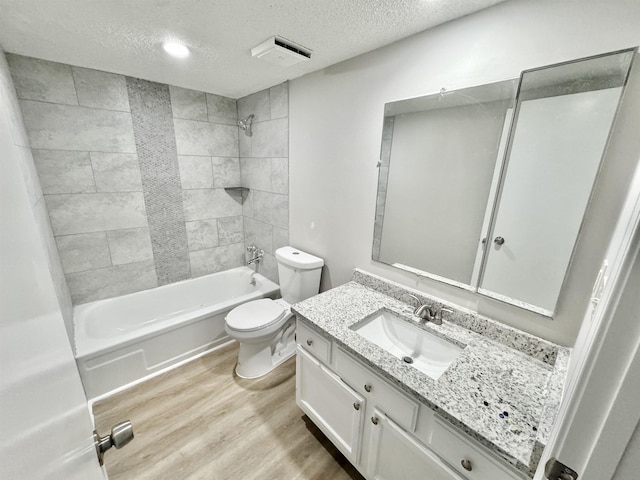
(121, 434)
(498, 241)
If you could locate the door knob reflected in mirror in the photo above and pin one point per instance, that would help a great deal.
(498, 241)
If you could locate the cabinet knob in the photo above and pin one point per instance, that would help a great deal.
(374, 420)
(367, 387)
(466, 464)
(498, 240)
(309, 341)
(356, 405)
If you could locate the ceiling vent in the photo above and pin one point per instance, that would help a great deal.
(280, 51)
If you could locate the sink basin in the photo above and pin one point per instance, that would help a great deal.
(428, 353)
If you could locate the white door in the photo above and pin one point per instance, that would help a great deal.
(46, 430)
(551, 169)
(600, 410)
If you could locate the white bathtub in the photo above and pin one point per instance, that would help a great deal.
(124, 339)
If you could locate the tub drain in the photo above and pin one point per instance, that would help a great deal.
(407, 359)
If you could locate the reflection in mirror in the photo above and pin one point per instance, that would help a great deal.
(438, 158)
(562, 122)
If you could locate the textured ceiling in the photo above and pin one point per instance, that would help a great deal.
(124, 36)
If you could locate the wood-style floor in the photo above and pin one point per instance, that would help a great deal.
(201, 421)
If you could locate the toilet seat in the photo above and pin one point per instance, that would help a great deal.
(255, 315)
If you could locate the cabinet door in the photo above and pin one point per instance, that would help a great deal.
(330, 403)
(394, 455)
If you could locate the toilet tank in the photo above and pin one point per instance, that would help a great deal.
(299, 274)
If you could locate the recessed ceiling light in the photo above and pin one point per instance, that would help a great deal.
(176, 49)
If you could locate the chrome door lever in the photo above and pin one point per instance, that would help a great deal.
(121, 434)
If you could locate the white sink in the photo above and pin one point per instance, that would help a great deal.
(428, 353)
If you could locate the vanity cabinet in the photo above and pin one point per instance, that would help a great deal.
(385, 433)
(331, 404)
(396, 455)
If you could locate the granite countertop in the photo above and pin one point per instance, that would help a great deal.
(504, 389)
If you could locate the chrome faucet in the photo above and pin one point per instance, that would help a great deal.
(428, 313)
(257, 254)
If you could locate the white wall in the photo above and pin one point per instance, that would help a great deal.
(336, 123)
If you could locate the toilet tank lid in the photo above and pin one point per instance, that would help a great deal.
(298, 259)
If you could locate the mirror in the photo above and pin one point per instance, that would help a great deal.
(437, 162)
(561, 126)
(455, 170)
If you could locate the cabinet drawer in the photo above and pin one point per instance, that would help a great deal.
(313, 342)
(402, 409)
(456, 449)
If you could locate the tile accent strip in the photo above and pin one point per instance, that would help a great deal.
(158, 157)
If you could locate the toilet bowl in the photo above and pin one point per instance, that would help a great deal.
(265, 328)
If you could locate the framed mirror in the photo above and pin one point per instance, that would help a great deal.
(487, 193)
(562, 122)
(437, 165)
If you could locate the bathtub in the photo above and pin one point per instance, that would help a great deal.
(122, 340)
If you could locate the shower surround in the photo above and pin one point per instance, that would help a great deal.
(133, 175)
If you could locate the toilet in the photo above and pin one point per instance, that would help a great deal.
(265, 328)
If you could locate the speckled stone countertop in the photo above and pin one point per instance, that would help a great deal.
(504, 389)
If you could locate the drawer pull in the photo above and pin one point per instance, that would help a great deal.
(356, 405)
(309, 341)
(374, 420)
(466, 464)
(367, 387)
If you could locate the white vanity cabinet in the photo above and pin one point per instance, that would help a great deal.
(396, 455)
(329, 402)
(385, 433)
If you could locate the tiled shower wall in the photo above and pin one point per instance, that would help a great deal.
(133, 176)
(264, 163)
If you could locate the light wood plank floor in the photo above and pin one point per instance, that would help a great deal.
(200, 421)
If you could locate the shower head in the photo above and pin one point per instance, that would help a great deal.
(246, 124)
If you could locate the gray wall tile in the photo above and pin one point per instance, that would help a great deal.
(259, 234)
(256, 173)
(270, 139)
(226, 172)
(36, 79)
(116, 172)
(94, 212)
(280, 175)
(30, 174)
(62, 171)
(209, 203)
(202, 234)
(188, 104)
(280, 238)
(202, 138)
(279, 100)
(98, 89)
(216, 259)
(195, 172)
(62, 127)
(130, 245)
(156, 145)
(268, 267)
(222, 109)
(271, 208)
(111, 281)
(84, 251)
(256, 103)
(230, 230)
(55, 264)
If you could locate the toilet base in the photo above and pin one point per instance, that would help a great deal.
(256, 359)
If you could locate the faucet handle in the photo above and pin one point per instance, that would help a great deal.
(441, 312)
(414, 297)
(251, 248)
